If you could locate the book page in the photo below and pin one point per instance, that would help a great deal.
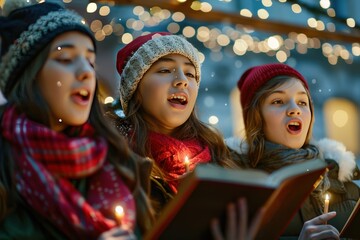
(295, 169)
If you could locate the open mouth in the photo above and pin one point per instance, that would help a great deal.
(81, 96)
(84, 94)
(294, 126)
(178, 99)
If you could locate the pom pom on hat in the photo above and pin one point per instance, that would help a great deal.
(255, 77)
(26, 30)
(137, 57)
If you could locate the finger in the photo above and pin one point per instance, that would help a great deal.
(107, 234)
(243, 218)
(123, 233)
(118, 232)
(322, 219)
(215, 229)
(326, 229)
(330, 233)
(255, 223)
(231, 221)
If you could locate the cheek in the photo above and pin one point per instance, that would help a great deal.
(307, 118)
(48, 89)
(269, 117)
(149, 94)
(193, 91)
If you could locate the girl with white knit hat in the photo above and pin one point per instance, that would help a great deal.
(159, 83)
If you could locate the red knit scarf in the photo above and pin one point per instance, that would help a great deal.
(169, 153)
(46, 162)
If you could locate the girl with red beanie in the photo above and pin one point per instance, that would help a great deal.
(63, 168)
(278, 114)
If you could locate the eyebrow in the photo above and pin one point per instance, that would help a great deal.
(283, 92)
(71, 46)
(166, 59)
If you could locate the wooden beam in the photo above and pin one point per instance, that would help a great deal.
(255, 23)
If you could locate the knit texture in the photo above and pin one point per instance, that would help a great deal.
(169, 154)
(26, 31)
(136, 58)
(46, 164)
(255, 77)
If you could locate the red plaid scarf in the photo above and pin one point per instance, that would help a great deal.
(169, 154)
(46, 161)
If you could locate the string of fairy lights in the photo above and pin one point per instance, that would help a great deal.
(228, 38)
(237, 38)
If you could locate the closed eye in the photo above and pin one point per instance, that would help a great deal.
(64, 60)
(92, 64)
(164, 71)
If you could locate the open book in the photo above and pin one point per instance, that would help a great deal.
(205, 193)
(352, 225)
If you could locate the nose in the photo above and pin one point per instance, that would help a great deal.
(84, 70)
(180, 80)
(293, 109)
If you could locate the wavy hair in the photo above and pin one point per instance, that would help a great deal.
(192, 128)
(254, 122)
(27, 98)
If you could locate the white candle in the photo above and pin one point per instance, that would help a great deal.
(326, 206)
(187, 164)
(119, 214)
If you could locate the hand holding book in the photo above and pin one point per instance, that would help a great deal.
(205, 193)
(236, 222)
(317, 228)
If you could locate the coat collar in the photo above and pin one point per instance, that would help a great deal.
(330, 149)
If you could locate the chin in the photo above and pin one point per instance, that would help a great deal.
(78, 122)
(294, 145)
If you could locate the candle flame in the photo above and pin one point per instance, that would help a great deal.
(119, 211)
(327, 197)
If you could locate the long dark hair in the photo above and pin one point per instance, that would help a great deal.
(27, 99)
(192, 128)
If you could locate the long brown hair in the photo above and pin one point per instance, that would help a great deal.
(255, 137)
(192, 128)
(27, 99)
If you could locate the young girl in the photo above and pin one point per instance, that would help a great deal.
(159, 83)
(63, 169)
(160, 77)
(278, 115)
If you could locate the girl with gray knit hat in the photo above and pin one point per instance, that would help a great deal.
(159, 83)
(278, 114)
(63, 168)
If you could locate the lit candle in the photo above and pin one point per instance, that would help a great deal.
(326, 206)
(119, 214)
(187, 164)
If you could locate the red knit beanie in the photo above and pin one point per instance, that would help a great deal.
(255, 77)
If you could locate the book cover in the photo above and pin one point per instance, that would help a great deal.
(205, 193)
(352, 225)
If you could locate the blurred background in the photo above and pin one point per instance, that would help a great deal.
(320, 38)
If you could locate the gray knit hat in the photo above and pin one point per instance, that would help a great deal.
(26, 30)
(137, 57)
